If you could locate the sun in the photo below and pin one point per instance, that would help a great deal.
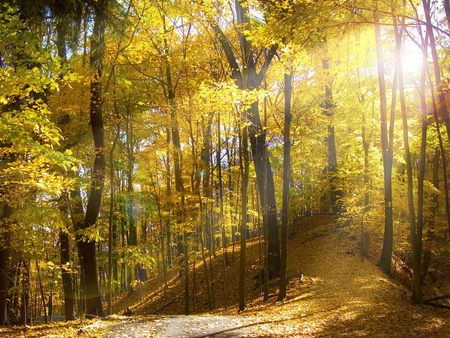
(412, 58)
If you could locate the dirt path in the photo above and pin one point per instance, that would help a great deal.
(184, 326)
(332, 292)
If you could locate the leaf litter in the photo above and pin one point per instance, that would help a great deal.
(332, 292)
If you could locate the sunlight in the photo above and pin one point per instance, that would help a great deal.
(411, 60)
(412, 63)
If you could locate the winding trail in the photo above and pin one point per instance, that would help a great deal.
(184, 327)
(332, 292)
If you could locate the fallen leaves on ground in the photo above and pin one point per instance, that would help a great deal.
(332, 292)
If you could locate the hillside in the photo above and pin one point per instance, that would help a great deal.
(340, 294)
(332, 292)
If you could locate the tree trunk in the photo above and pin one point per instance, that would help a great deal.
(266, 187)
(416, 237)
(220, 197)
(442, 105)
(25, 298)
(335, 191)
(249, 78)
(244, 166)
(66, 275)
(87, 246)
(286, 181)
(5, 236)
(440, 108)
(386, 254)
(111, 242)
(427, 254)
(64, 252)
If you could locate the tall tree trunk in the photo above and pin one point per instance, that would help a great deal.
(249, 78)
(111, 242)
(5, 244)
(335, 191)
(386, 254)
(64, 251)
(416, 239)
(286, 181)
(244, 166)
(69, 299)
(220, 197)
(266, 187)
(25, 297)
(442, 106)
(427, 254)
(88, 247)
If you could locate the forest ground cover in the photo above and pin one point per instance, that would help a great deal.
(332, 292)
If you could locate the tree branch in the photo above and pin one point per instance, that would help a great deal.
(262, 73)
(226, 46)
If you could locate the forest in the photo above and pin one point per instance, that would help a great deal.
(137, 136)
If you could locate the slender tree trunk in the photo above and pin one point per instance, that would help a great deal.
(249, 78)
(76, 211)
(244, 164)
(386, 255)
(41, 289)
(88, 247)
(416, 238)
(69, 299)
(25, 297)
(432, 220)
(5, 239)
(69, 296)
(442, 106)
(64, 250)
(111, 243)
(335, 191)
(220, 197)
(169, 194)
(286, 181)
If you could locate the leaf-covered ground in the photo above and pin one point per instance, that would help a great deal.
(332, 292)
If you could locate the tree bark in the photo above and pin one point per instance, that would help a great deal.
(87, 246)
(415, 228)
(335, 191)
(386, 145)
(111, 242)
(286, 175)
(66, 276)
(249, 78)
(25, 297)
(5, 239)
(244, 167)
(442, 105)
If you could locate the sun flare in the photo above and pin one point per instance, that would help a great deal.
(411, 60)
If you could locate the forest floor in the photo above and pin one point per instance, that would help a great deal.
(332, 292)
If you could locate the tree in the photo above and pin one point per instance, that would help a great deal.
(87, 246)
(28, 136)
(286, 181)
(387, 151)
(249, 77)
